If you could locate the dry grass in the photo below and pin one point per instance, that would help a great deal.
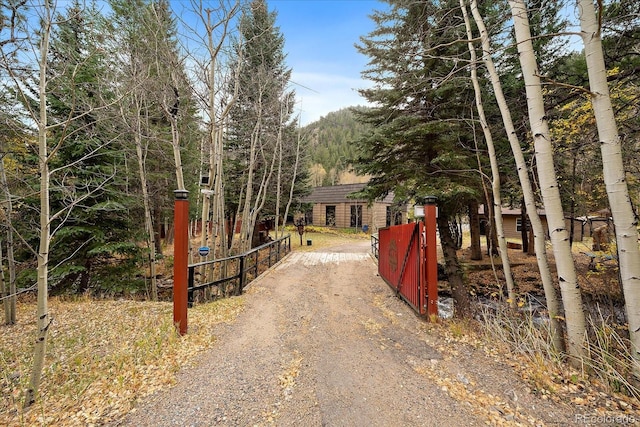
(322, 238)
(603, 382)
(102, 357)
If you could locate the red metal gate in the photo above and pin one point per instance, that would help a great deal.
(407, 262)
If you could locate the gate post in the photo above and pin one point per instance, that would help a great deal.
(431, 257)
(180, 259)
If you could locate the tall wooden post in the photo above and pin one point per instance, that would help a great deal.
(431, 257)
(180, 259)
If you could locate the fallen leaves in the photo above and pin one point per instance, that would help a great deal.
(291, 372)
(103, 356)
(463, 389)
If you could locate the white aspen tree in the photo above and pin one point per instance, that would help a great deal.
(136, 72)
(216, 165)
(262, 195)
(166, 58)
(624, 220)
(553, 305)
(141, 154)
(216, 24)
(42, 314)
(293, 179)
(4, 291)
(278, 181)
(253, 122)
(37, 43)
(9, 292)
(279, 149)
(571, 294)
(495, 172)
(177, 156)
(247, 216)
(253, 207)
(148, 219)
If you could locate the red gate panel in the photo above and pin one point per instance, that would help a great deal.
(400, 262)
(407, 261)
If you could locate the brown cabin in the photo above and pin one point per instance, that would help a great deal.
(512, 222)
(332, 207)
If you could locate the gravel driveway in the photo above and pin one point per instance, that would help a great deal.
(324, 342)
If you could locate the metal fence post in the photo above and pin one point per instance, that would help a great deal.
(431, 261)
(242, 276)
(190, 284)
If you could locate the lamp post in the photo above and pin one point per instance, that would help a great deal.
(431, 257)
(180, 259)
(300, 227)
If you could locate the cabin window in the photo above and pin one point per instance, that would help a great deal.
(519, 224)
(394, 216)
(356, 216)
(331, 216)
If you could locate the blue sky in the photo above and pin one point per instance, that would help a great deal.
(319, 42)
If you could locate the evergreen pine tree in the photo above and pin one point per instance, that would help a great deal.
(93, 241)
(420, 142)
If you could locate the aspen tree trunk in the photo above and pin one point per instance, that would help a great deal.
(571, 295)
(624, 220)
(474, 230)
(278, 190)
(43, 318)
(148, 219)
(213, 140)
(4, 291)
(261, 197)
(553, 305)
(208, 187)
(253, 206)
(218, 199)
(293, 180)
(177, 157)
(279, 149)
(218, 234)
(215, 202)
(453, 269)
(495, 172)
(10, 296)
(247, 226)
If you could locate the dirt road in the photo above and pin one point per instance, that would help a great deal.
(324, 342)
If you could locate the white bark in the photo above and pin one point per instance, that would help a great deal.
(9, 292)
(214, 231)
(4, 291)
(247, 219)
(293, 180)
(177, 156)
(625, 222)
(553, 305)
(148, 219)
(43, 318)
(571, 295)
(495, 172)
(284, 109)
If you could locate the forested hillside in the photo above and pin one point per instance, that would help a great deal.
(332, 148)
